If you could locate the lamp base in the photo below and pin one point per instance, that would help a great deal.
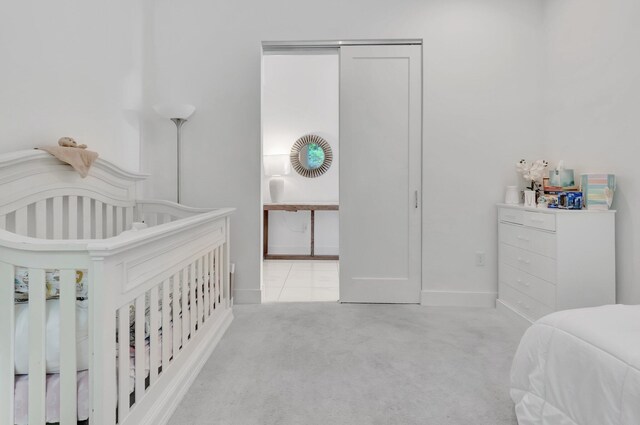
(276, 189)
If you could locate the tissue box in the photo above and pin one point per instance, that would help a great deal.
(570, 200)
(598, 190)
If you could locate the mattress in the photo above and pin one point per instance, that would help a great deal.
(579, 367)
(52, 347)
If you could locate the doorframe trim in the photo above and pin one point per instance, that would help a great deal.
(324, 44)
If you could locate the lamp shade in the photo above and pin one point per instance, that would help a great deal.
(277, 165)
(170, 111)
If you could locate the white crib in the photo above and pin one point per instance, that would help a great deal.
(175, 274)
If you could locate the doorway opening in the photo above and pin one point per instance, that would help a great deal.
(300, 178)
(358, 103)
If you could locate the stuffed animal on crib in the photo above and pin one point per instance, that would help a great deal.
(68, 142)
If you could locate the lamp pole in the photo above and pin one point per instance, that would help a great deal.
(178, 122)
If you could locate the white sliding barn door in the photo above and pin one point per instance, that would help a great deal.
(380, 173)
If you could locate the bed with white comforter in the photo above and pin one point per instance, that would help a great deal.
(580, 367)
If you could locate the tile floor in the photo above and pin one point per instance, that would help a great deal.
(296, 281)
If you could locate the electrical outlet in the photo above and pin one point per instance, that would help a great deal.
(481, 258)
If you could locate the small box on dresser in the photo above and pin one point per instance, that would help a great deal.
(550, 260)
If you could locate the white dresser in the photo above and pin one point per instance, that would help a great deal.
(551, 260)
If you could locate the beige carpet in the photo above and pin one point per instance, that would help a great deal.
(327, 363)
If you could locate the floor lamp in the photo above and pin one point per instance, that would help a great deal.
(179, 115)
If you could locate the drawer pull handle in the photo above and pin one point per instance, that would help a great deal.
(522, 260)
(537, 220)
(522, 238)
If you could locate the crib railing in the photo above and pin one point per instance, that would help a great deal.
(154, 212)
(68, 217)
(180, 307)
(161, 293)
(37, 339)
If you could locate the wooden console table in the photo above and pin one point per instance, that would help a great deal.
(294, 208)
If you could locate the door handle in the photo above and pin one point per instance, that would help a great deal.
(416, 198)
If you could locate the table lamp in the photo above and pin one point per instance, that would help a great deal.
(276, 166)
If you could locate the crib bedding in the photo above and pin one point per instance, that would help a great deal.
(52, 352)
(52, 281)
(21, 405)
(580, 367)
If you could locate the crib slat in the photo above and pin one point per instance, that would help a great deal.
(166, 325)
(216, 289)
(7, 340)
(41, 219)
(98, 220)
(123, 362)
(57, 217)
(109, 220)
(153, 339)
(68, 343)
(219, 269)
(176, 317)
(185, 306)
(140, 372)
(212, 281)
(128, 218)
(119, 220)
(201, 290)
(73, 217)
(37, 328)
(194, 302)
(207, 288)
(21, 221)
(3, 221)
(86, 217)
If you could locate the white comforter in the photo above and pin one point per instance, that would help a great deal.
(580, 367)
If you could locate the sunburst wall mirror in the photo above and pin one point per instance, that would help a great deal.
(311, 156)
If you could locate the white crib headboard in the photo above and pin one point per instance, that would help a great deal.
(43, 197)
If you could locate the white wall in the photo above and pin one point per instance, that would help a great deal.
(72, 68)
(300, 95)
(592, 107)
(481, 112)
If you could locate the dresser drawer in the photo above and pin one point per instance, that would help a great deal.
(533, 240)
(510, 215)
(529, 262)
(522, 303)
(532, 286)
(540, 220)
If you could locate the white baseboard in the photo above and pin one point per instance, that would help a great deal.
(303, 250)
(247, 296)
(458, 299)
(164, 406)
